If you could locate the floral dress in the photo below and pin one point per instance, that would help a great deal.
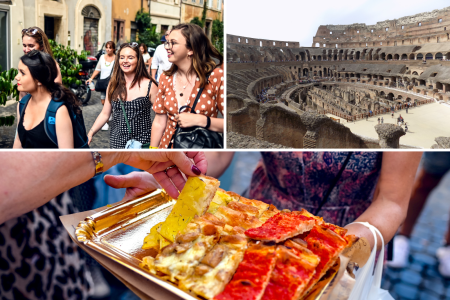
(296, 180)
(212, 100)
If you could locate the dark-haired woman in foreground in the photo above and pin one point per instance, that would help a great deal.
(130, 86)
(37, 74)
(191, 54)
(34, 38)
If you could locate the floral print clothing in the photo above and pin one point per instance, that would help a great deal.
(211, 101)
(296, 180)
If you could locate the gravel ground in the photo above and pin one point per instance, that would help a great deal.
(240, 141)
(90, 113)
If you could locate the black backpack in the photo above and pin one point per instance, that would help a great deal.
(79, 130)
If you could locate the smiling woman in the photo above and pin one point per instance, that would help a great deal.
(129, 98)
(191, 92)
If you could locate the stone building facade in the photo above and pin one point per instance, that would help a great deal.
(82, 24)
(194, 8)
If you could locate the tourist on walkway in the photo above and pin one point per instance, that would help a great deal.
(160, 61)
(105, 67)
(129, 99)
(378, 120)
(37, 74)
(324, 184)
(382, 121)
(34, 38)
(191, 53)
(435, 165)
(145, 55)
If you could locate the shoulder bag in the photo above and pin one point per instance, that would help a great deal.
(195, 137)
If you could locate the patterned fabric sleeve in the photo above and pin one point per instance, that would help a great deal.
(221, 92)
(158, 106)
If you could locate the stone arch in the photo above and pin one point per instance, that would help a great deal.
(297, 57)
(383, 56)
(396, 56)
(420, 56)
(389, 56)
(438, 56)
(415, 73)
(319, 57)
(390, 96)
(404, 56)
(429, 56)
(358, 54)
(439, 86)
(411, 56)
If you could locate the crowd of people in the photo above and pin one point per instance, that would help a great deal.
(185, 71)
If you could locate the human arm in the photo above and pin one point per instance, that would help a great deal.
(17, 144)
(188, 120)
(96, 72)
(153, 93)
(102, 117)
(37, 172)
(140, 183)
(391, 198)
(158, 127)
(64, 131)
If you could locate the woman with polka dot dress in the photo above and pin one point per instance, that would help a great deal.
(130, 87)
(191, 54)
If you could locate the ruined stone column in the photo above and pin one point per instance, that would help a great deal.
(389, 135)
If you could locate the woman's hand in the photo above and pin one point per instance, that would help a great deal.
(90, 135)
(156, 163)
(185, 120)
(89, 81)
(136, 183)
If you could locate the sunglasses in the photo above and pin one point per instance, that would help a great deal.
(33, 31)
(132, 45)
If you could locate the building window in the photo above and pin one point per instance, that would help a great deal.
(219, 4)
(164, 28)
(381, 43)
(260, 44)
(193, 1)
(210, 3)
(201, 2)
(403, 27)
(420, 24)
(440, 21)
(4, 39)
(246, 41)
(357, 31)
(239, 40)
(387, 28)
(371, 30)
(331, 32)
(287, 45)
(133, 32)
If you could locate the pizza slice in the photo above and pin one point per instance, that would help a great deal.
(261, 206)
(179, 259)
(252, 274)
(221, 198)
(294, 268)
(219, 264)
(326, 244)
(237, 218)
(269, 213)
(282, 226)
(193, 201)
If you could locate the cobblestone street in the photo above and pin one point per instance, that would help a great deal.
(420, 280)
(90, 113)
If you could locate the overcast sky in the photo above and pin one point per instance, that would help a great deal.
(298, 20)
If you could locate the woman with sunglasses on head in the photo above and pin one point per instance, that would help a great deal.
(191, 54)
(34, 38)
(37, 74)
(129, 99)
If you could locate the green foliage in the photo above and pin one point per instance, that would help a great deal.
(147, 32)
(8, 88)
(197, 21)
(204, 14)
(67, 60)
(217, 35)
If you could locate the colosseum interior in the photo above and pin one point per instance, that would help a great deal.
(331, 95)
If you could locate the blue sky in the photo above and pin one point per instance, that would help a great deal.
(298, 20)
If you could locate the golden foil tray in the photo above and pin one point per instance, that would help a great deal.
(118, 232)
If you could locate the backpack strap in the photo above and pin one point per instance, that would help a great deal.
(50, 120)
(23, 104)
